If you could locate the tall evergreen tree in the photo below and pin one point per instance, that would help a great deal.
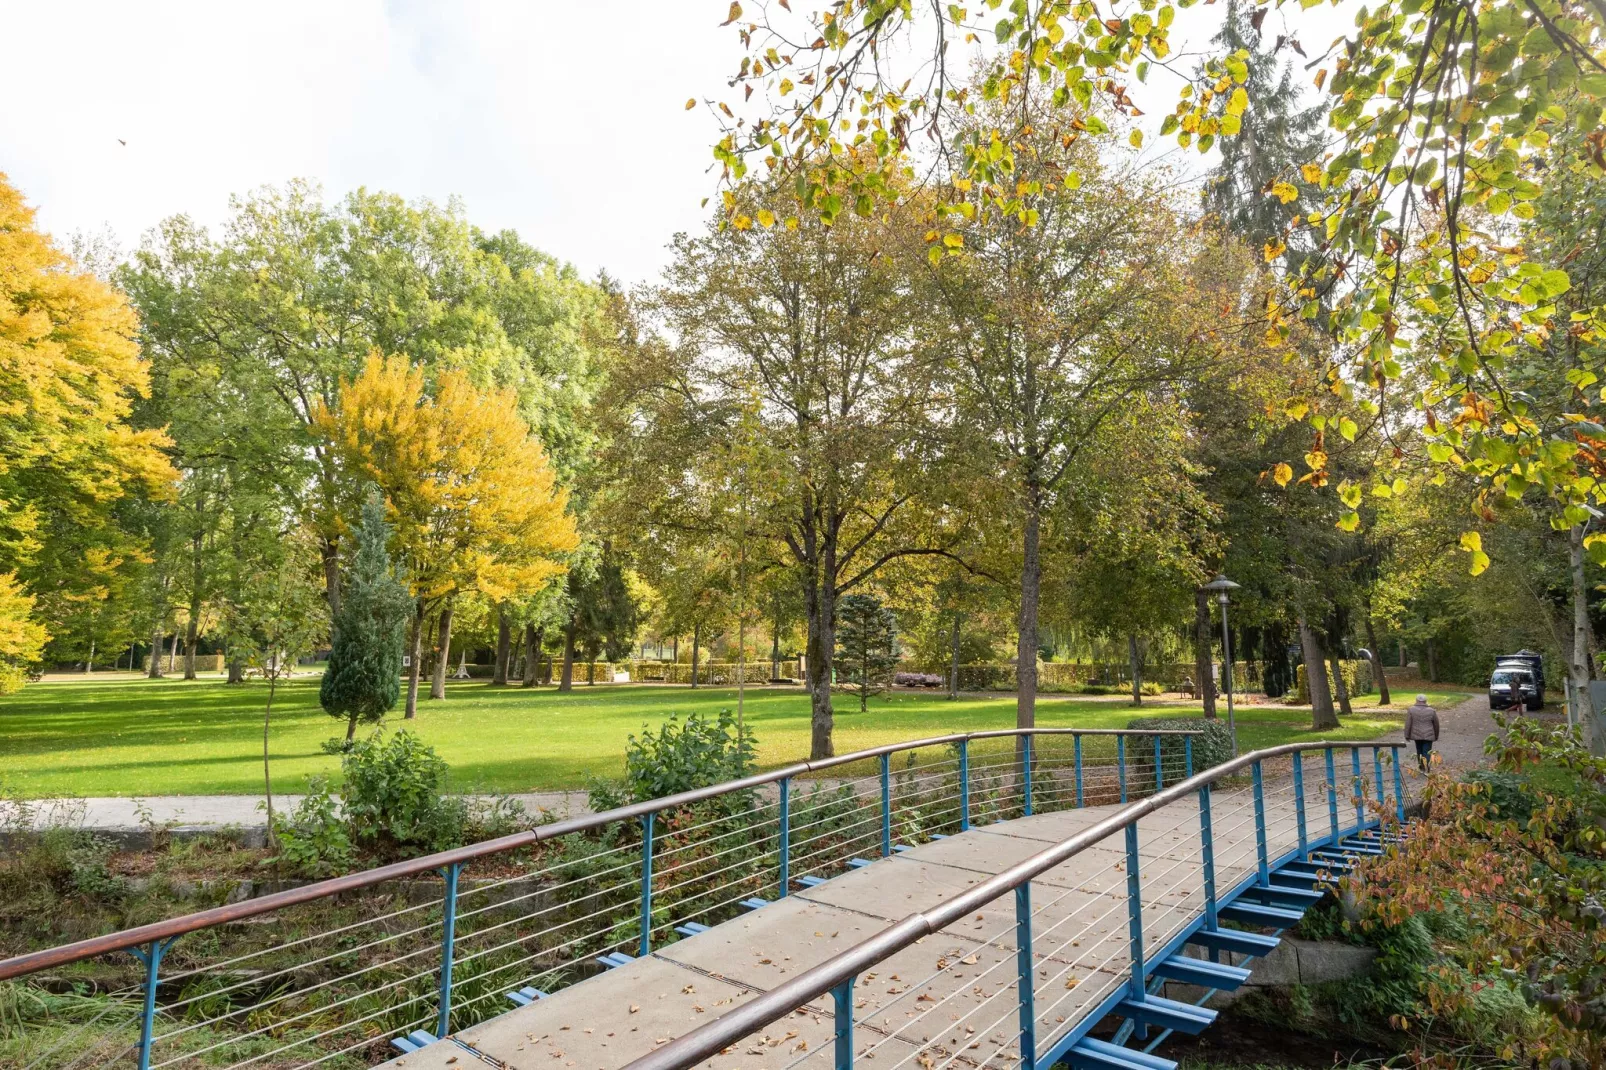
(1277, 137)
(865, 636)
(363, 680)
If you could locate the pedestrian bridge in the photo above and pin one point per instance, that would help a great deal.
(983, 900)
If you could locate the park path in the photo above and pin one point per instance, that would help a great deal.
(1464, 727)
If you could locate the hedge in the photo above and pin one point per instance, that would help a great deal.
(1211, 749)
(709, 672)
(1068, 677)
(1357, 677)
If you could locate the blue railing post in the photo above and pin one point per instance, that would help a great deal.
(1187, 756)
(1159, 768)
(1299, 803)
(646, 883)
(1134, 905)
(150, 956)
(886, 806)
(1076, 744)
(1207, 840)
(443, 1020)
(842, 1001)
(964, 785)
(1377, 768)
(1120, 763)
(786, 836)
(1260, 827)
(1026, 774)
(1332, 798)
(1399, 784)
(1360, 787)
(1024, 967)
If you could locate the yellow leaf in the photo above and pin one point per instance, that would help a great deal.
(1273, 250)
(791, 222)
(1285, 191)
(1311, 173)
(691, 102)
(1349, 521)
(1238, 101)
(742, 222)
(952, 241)
(1136, 138)
(1471, 540)
(766, 218)
(1282, 473)
(735, 13)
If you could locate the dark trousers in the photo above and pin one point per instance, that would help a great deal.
(1424, 749)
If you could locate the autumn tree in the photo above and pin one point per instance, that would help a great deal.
(472, 502)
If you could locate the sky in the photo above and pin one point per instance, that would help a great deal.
(557, 120)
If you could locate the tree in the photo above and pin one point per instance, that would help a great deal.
(70, 374)
(363, 678)
(472, 503)
(22, 639)
(866, 637)
(603, 615)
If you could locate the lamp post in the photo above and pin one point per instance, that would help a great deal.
(1221, 585)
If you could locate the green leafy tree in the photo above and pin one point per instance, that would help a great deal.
(363, 679)
(866, 638)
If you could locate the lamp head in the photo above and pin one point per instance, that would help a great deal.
(1221, 585)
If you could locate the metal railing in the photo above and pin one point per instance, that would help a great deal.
(1099, 988)
(330, 972)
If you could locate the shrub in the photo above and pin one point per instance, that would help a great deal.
(1211, 749)
(393, 797)
(313, 840)
(678, 757)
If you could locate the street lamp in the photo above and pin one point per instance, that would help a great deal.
(1221, 585)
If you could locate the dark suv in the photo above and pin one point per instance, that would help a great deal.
(1507, 677)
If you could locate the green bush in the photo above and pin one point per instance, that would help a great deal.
(678, 757)
(1357, 677)
(393, 797)
(1210, 749)
(313, 840)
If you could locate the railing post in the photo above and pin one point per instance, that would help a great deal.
(150, 956)
(1187, 756)
(1120, 764)
(443, 1020)
(1024, 967)
(842, 1001)
(1332, 798)
(1134, 905)
(786, 836)
(1159, 768)
(1076, 744)
(964, 785)
(1299, 803)
(1026, 774)
(1207, 840)
(886, 805)
(1260, 827)
(1377, 769)
(1360, 787)
(1399, 784)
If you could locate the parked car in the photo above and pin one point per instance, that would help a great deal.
(1512, 679)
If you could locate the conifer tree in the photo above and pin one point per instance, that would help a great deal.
(865, 636)
(363, 680)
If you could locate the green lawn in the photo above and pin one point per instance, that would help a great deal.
(136, 737)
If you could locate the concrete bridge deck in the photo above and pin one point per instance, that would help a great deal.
(949, 1000)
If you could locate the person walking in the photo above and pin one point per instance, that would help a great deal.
(1422, 728)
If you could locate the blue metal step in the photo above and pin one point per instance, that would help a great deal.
(1235, 940)
(754, 903)
(526, 996)
(811, 881)
(1256, 914)
(691, 928)
(939, 835)
(1337, 856)
(614, 959)
(1090, 1054)
(900, 848)
(1364, 847)
(858, 863)
(1199, 972)
(1167, 1014)
(410, 1043)
(1300, 877)
(1283, 895)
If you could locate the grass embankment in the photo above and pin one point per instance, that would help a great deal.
(135, 737)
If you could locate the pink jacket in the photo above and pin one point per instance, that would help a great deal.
(1421, 722)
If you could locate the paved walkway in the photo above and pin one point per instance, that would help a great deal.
(950, 996)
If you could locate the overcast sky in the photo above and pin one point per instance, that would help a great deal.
(557, 120)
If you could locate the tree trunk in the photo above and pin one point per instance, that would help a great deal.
(567, 681)
(1202, 659)
(1321, 699)
(1339, 685)
(819, 598)
(504, 646)
(236, 669)
(443, 654)
(532, 654)
(331, 575)
(591, 671)
(696, 646)
(415, 644)
(155, 672)
(267, 775)
(1137, 669)
(172, 653)
(953, 659)
(351, 727)
(1433, 662)
(1377, 660)
(1578, 674)
(775, 650)
(89, 663)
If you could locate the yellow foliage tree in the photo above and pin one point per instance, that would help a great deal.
(70, 371)
(21, 638)
(473, 503)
